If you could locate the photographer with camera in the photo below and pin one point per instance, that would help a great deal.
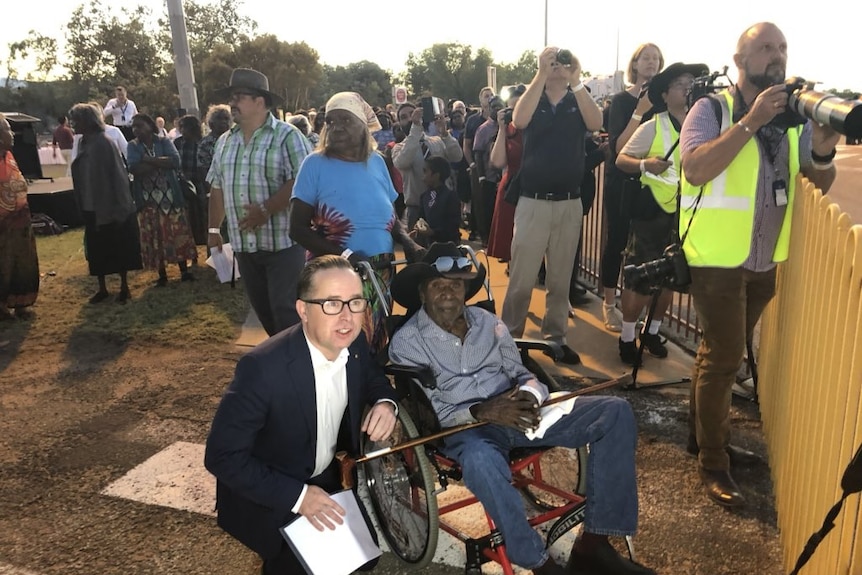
(653, 153)
(555, 114)
(740, 165)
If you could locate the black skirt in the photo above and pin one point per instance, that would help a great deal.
(112, 248)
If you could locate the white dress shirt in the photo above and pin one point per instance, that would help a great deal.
(330, 391)
(121, 113)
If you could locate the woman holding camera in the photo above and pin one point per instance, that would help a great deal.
(628, 109)
(505, 155)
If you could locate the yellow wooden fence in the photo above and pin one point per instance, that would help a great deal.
(810, 368)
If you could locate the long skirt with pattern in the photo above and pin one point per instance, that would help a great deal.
(165, 238)
(19, 263)
(374, 324)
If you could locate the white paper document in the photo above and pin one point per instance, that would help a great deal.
(222, 263)
(552, 414)
(339, 551)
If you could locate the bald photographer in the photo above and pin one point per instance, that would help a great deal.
(741, 155)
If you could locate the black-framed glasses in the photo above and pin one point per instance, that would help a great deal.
(334, 306)
(445, 264)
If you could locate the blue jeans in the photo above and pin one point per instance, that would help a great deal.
(270, 284)
(607, 424)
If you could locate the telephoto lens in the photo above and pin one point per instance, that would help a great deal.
(564, 57)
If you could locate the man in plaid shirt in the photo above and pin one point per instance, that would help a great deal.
(252, 172)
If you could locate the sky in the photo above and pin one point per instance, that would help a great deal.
(822, 46)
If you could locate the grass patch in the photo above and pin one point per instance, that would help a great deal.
(182, 313)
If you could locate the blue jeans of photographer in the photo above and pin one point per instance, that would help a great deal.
(606, 424)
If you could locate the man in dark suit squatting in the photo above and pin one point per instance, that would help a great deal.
(294, 400)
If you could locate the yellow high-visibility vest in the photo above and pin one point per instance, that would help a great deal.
(664, 186)
(720, 231)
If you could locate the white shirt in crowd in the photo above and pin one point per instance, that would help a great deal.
(121, 113)
(112, 132)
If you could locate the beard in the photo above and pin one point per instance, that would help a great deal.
(774, 74)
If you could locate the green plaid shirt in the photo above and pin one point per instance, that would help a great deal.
(252, 173)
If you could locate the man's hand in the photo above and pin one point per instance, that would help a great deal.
(379, 422)
(320, 509)
(253, 219)
(214, 241)
(768, 104)
(546, 61)
(416, 116)
(517, 408)
(823, 139)
(574, 71)
(656, 165)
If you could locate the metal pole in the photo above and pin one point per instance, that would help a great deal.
(546, 23)
(183, 58)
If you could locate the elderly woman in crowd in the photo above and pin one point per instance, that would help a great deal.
(343, 199)
(187, 146)
(19, 264)
(101, 188)
(165, 233)
(219, 121)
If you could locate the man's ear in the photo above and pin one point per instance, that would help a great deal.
(739, 60)
(302, 310)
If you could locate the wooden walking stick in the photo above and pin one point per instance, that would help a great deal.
(347, 463)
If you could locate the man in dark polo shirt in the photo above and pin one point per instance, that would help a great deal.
(555, 114)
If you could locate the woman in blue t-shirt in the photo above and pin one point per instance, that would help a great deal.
(343, 200)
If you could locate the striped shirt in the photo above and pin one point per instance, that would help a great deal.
(702, 126)
(251, 174)
(487, 363)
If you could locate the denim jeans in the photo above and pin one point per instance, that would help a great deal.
(607, 424)
(270, 283)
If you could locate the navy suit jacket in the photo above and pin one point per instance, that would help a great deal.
(261, 446)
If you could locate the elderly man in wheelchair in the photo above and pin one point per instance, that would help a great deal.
(480, 377)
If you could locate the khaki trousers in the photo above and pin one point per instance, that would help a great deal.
(728, 303)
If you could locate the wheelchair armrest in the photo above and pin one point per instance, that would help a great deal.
(553, 348)
(422, 374)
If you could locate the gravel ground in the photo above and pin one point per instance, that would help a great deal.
(71, 423)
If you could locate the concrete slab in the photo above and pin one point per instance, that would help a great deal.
(174, 477)
(252, 332)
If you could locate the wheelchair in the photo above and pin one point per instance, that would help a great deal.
(415, 492)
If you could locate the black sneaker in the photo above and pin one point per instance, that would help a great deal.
(654, 344)
(628, 352)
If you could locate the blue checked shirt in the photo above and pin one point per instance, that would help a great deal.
(487, 363)
(252, 173)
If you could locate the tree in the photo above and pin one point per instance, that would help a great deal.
(521, 72)
(448, 71)
(846, 94)
(367, 78)
(42, 48)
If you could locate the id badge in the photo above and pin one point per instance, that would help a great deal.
(779, 193)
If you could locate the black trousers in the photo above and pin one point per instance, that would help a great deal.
(270, 283)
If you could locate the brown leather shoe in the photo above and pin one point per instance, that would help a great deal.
(720, 487)
(738, 456)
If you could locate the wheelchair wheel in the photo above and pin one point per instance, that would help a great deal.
(559, 467)
(401, 487)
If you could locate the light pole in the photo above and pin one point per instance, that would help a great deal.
(546, 23)
(182, 58)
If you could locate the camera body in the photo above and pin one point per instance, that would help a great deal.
(565, 57)
(670, 270)
(507, 115)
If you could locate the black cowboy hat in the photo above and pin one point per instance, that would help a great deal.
(405, 284)
(248, 79)
(661, 82)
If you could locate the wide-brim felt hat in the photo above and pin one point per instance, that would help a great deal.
(405, 285)
(248, 79)
(661, 81)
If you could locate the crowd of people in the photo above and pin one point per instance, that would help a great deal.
(304, 201)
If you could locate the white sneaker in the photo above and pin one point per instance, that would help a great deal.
(613, 320)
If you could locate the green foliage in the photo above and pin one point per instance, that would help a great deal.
(449, 71)
(366, 78)
(846, 94)
(521, 72)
